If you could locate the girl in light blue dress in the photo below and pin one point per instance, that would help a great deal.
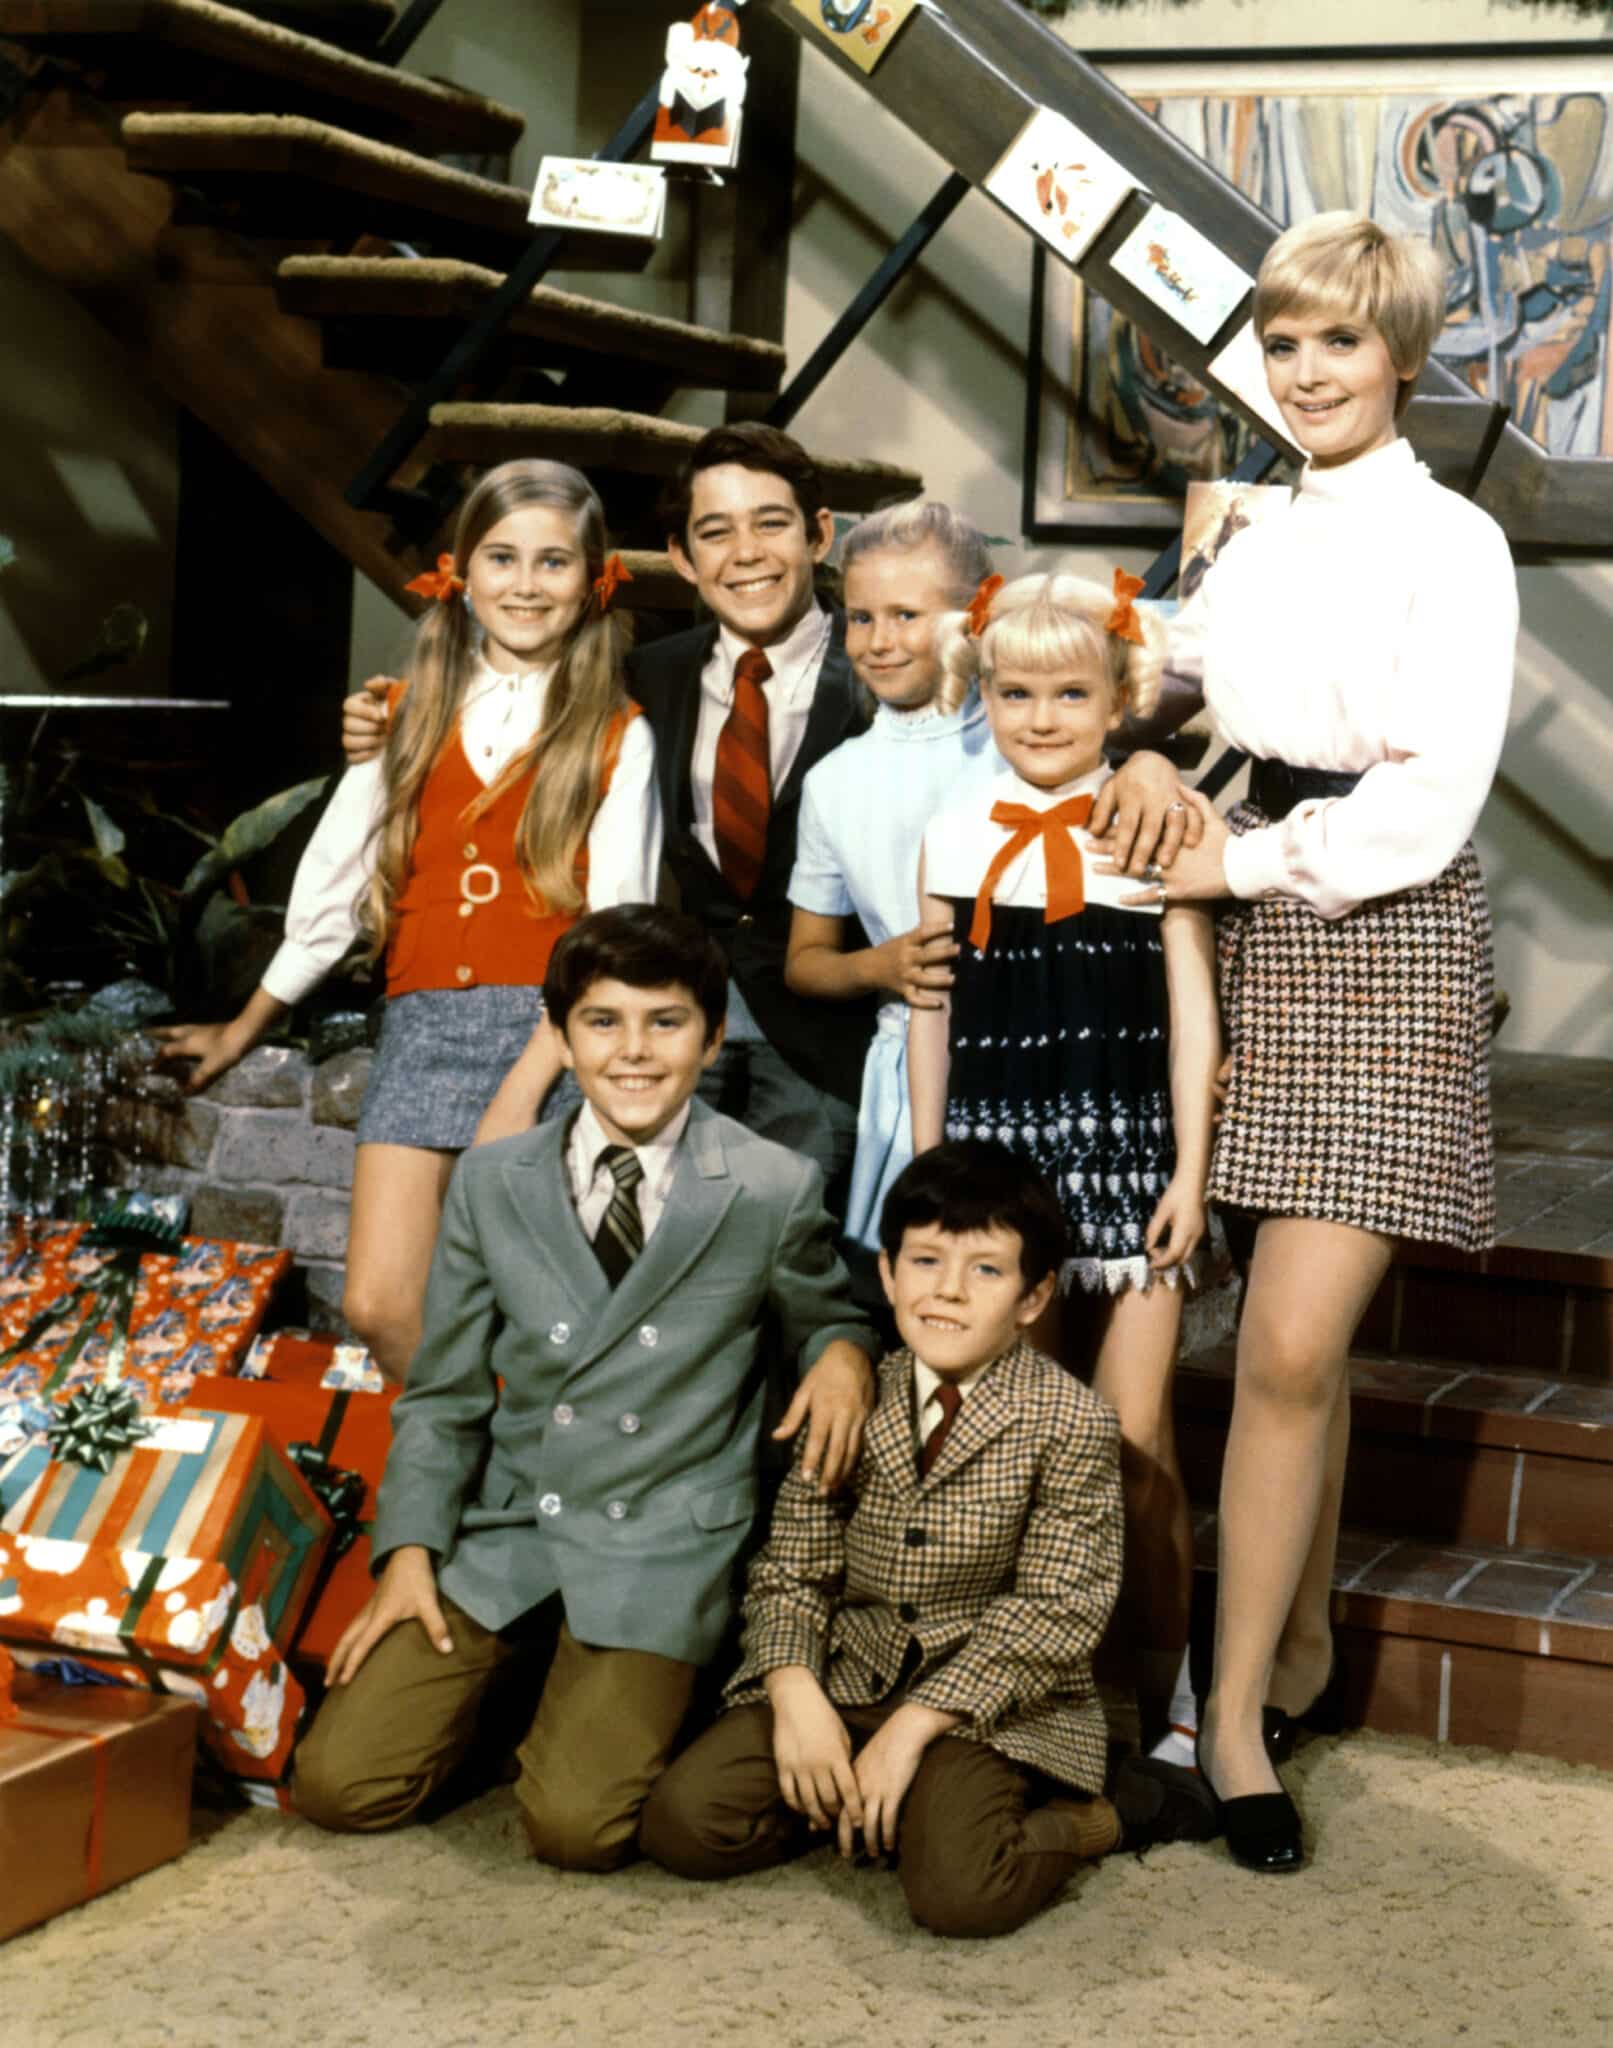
(864, 809)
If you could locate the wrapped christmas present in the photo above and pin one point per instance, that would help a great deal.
(127, 1290)
(94, 1789)
(312, 1359)
(338, 1440)
(172, 1551)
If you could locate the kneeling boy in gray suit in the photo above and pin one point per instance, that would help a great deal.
(917, 1671)
(614, 1271)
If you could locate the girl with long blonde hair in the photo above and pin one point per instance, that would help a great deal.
(516, 790)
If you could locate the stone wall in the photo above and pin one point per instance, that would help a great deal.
(265, 1155)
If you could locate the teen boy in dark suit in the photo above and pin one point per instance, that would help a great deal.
(614, 1270)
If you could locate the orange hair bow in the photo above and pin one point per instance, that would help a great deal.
(609, 580)
(1066, 886)
(1123, 620)
(980, 604)
(440, 583)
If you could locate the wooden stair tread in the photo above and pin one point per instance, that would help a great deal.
(602, 436)
(442, 288)
(1478, 1404)
(353, 24)
(419, 109)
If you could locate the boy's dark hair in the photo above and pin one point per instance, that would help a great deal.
(645, 946)
(753, 445)
(977, 1184)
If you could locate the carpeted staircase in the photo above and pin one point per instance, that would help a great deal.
(268, 221)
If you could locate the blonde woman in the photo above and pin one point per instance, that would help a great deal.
(1360, 647)
(516, 790)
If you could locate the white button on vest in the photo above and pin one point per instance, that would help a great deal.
(565, 1414)
(550, 1504)
(630, 1425)
(649, 1336)
(559, 1333)
(617, 1510)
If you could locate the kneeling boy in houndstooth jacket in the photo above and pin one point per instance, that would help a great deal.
(917, 1656)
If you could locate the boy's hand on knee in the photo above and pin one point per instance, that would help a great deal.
(886, 1765)
(406, 1591)
(811, 1749)
(836, 1398)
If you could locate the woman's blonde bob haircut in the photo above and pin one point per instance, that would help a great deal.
(1343, 266)
(905, 529)
(1047, 625)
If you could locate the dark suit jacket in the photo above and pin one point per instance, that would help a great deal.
(825, 1042)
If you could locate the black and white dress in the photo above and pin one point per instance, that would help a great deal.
(1059, 1035)
(1363, 636)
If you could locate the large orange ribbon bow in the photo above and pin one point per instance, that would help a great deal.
(440, 583)
(610, 579)
(1066, 892)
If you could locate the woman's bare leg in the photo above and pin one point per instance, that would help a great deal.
(397, 1205)
(1305, 1650)
(1134, 1373)
(1309, 1285)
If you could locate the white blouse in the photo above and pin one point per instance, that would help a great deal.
(1371, 626)
(961, 842)
(498, 720)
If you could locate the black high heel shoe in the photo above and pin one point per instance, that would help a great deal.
(1324, 1716)
(1262, 1828)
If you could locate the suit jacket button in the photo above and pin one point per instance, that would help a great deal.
(617, 1510)
(565, 1414)
(916, 1539)
(649, 1336)
(559, 1333)
(550, 1504)
(744, 921)
(876, 1681)
(908, 1611)
(630, 1425)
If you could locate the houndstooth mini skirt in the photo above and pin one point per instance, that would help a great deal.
(442, 1054)
(1360, 1089)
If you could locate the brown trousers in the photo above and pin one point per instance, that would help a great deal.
(975, 1855)
(606, 1720)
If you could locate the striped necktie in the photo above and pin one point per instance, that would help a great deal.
(620, 1236)
(949, 1401)
(742, 784)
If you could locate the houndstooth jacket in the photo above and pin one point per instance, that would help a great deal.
(981, 1590)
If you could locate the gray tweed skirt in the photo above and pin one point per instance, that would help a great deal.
(442, 1055)
(1360, 1088)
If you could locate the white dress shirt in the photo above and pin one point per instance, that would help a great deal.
(592, 1183)
(498, 720)
(789, 691)
(961, 842)
(1370, 627)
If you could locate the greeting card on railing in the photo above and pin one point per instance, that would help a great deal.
(587, 195)
(1183, 274)
(859, 29)
(1059, 183)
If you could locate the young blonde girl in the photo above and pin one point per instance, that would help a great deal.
(1080, 1029)
(864, 809)
(516, 790)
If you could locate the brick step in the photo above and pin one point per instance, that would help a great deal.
(298, 180)
(1521, 1307)
(401, 315)
(1461, 1643)
(603, 438)
(1517, 1461)
(199, 52)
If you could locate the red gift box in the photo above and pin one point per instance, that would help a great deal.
(94, 1789)
(185, 1567)
(194, 1311)
(353, 1433)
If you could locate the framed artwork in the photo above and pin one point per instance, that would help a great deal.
(1515, 191)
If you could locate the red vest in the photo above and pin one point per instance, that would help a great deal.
(464, 918)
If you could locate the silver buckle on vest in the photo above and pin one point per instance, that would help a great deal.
(481, 867)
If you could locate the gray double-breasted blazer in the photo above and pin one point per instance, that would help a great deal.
(619, 1466)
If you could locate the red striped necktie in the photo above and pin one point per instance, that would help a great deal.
(742, 785)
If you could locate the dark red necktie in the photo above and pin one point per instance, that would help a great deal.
(950, 1401)
(742, 785)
